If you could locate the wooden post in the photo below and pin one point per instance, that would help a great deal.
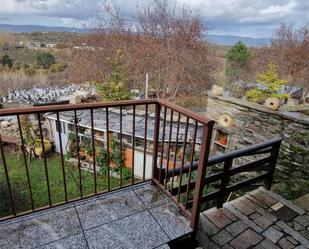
(224, 182)
(272, 165)
(146, 86)
(201, 172)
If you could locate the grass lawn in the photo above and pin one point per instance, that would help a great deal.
(19, 184)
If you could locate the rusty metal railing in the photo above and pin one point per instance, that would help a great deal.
(162, 135)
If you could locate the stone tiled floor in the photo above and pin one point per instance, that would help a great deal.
(139, 217)
(259, 220)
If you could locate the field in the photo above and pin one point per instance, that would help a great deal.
(19, 185)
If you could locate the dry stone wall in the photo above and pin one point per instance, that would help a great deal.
(253, 123)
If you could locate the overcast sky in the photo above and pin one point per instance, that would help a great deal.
(254, 18)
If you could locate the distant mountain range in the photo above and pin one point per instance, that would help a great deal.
(218, 39)
(36, 28)
(231, 40)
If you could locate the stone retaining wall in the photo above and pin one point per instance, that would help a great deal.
(254, 123)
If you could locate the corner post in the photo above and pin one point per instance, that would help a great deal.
(272, 165)
(201, 172)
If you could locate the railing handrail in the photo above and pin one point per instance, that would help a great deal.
(231, 155)
(83, 106)
(72, 107)
(197, 117)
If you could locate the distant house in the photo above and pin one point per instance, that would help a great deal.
(51, 45)
(100, 134)
(36, 45)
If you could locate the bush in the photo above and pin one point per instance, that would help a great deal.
(6, 61)
(29, 71)
(58, 67)
(271, 81)
(45, 59)
(126, 173)
(112, 91)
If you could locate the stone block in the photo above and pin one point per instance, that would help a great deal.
(237, 227)
(222, 237)
(272, 234)
(302, 220)
(266, 244)
(218, 217)
(284, 243)
(246, 239)
(206, 226)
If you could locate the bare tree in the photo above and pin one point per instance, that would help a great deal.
(165, 41)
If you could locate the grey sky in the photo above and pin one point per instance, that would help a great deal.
(255, 18)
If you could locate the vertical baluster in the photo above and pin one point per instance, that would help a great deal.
(191, 163)
(145, 141)
(25, 161)
(107, 149)
(93, 153)
(121, 149)
(156, 131)
(62, 159)
(176, 148)
(169, 147)
(7, 178)
(78, 155)
(162, 147)
(183, 158)
(133, 143)
(44, 158)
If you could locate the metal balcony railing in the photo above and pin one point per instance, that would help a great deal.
(157, 141)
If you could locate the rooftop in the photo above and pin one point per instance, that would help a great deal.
(137, 217)
(99, 120)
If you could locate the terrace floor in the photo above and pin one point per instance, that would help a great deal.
(259, 220)
(136, 217)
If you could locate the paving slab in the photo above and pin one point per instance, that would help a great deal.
(99, 211)
(36, 230)
(151, 196)
(72, 242)
(135, 231)
(122, 219)
(171, 220)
